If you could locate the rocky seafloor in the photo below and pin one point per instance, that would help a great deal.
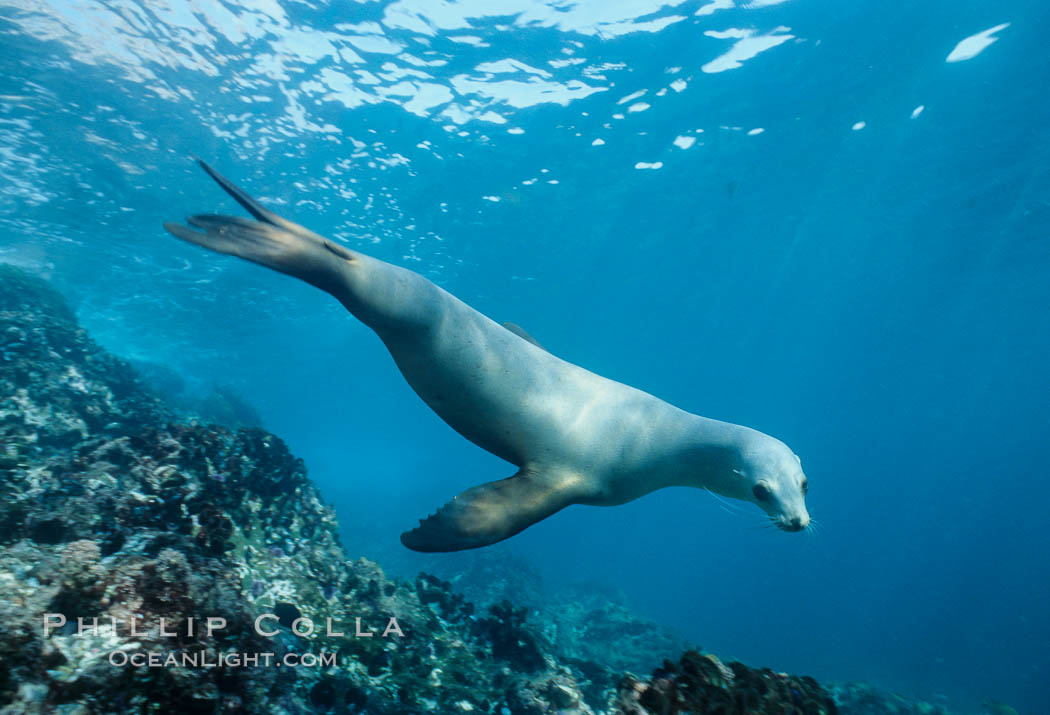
(123, 510)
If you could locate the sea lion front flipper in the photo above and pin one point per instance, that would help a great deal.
(492, 512)
(520, 332)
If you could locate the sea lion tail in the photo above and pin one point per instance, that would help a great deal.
(270, 241)
(491, 512)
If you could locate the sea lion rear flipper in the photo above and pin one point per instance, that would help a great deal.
(491, 512)
(270, 241)
(520, 332)
(241, 196)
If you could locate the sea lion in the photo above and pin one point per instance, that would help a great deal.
(576, 437)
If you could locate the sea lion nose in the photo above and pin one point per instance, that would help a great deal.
(795, 523)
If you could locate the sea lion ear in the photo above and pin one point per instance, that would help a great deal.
(520, 332)
(489, 513)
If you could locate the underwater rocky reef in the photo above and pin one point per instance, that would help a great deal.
(701, 683)
(583, 622)
(187, 549)
(864, 699)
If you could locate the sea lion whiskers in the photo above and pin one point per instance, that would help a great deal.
(726, 506)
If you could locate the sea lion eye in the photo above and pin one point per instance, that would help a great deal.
(805, 486)
(761, 492)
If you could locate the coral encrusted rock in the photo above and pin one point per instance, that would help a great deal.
(701, 683)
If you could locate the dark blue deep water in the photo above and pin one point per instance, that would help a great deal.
(795, 215)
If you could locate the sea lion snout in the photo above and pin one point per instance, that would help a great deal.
(794, 523)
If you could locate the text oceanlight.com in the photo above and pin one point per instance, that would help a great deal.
(202, 659)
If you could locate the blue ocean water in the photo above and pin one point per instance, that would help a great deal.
(827, 221)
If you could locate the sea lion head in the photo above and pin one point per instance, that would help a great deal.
(770, 475)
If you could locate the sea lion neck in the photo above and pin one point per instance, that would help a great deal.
(709, 453)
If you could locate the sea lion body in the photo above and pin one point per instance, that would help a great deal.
(522, 403)
(577, 437)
